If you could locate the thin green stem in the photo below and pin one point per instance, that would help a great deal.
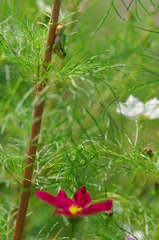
(12, 4)
(104, 229)
(3, 11)
(72, 230)
(129, 188)
(156, 237)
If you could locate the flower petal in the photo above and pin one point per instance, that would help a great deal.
(82, 197)
(47, 197)
(133, 101)
(154, 114)
(63, 197)
(152, 108)
(133, 107)
(97, 207)
(122, 109)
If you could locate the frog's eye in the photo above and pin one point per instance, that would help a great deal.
(60, 28)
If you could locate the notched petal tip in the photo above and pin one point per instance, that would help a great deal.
(82, 197)
(39, 193)
(47, 197)
(98, 207)
(63, 197)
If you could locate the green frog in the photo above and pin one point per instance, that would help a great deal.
(60, 40)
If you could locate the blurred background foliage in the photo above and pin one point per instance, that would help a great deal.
(112, 51)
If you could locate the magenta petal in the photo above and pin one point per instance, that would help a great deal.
(63, 197)
(47, 197)
(82, 197)
(97, 207)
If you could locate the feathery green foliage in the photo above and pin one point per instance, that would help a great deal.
(112, 51)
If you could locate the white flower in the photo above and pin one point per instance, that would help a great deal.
(134, 108)
(137, 235)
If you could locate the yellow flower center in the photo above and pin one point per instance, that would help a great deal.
(74, 209)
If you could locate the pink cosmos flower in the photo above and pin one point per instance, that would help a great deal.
(79, 207)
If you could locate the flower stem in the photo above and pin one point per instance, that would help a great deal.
(36, 125)
(72, 230)
(104, 228)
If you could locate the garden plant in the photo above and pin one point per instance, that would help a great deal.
(79, 117)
